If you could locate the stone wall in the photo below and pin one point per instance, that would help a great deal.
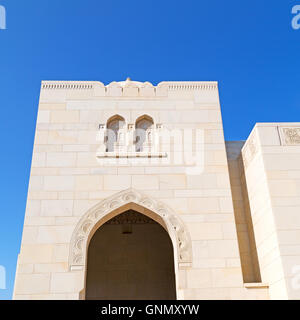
(272, 162)
(67, 180)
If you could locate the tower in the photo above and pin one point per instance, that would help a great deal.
(145, 170)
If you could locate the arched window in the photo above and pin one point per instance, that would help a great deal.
(114, 132)
(143, 133)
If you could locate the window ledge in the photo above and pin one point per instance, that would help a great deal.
(256, 285)
(132, 155)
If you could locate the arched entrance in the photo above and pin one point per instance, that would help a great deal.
(115, 205)
(130, 257)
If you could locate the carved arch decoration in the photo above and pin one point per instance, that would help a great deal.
(144, 117)
(115, 134)
(92, 219)
(144, 132)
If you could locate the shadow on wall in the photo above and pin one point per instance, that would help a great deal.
(130, 257)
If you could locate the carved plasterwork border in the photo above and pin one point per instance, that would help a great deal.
(289, 136)
(250, 149)
(93, 217)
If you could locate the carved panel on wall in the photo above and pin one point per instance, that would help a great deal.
(250, 150)
(290, 136)
(79, 241)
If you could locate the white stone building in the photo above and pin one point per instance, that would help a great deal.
(134, 194)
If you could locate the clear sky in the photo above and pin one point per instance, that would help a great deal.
(248, 46)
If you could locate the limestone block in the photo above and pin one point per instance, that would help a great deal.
(147, 91)
(209, 263)
(105, 170)
(172, 181)
(44, 171)
(215, 158)
(223, 248)
(286, 237)
(41, 137)
(87, 159)
(38, 195)
(33, 283)
(199, 278)
(64, 221)
(89, 104)
(229, 230)
(36, 253)
(47, 148)
(145, 182)
(227, 277)
(283, 161)
(62, 159)
(226, 204)
(38, 160)
(206, 96)
(52, 106)
(203, 205)
(283, 188)
(130, 92)
(182, 279)
(50, 267)
(233, 263)
(180, 204)
(205, 231)
(287, 218)
(25, 268)
(114, 91)
(56, 208)
(286, 201)
(36, 183)
(115, 182)
(203, 181)
(91, 116)
(39, 221)
(54, 234)
(131, 170)
(160, 194)
(43, 116)
(59, 183)
(99, 89)
(185, 193)
(278, 290)
(269, 136)
(66, 282)
(88, 183)
(62, 137)
(82, 206)
(61, 253)
(29, 234)
(161, 90)
(75, 148)
(64, 116)
(89, 137)
(273, 272)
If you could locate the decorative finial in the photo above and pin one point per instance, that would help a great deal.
(128, 79)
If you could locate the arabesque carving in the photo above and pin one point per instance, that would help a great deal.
(79, 241)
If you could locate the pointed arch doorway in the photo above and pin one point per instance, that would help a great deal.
(130, 257)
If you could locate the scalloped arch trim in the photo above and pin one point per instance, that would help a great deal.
(81, 234)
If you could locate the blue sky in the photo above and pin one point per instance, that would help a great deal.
(248, 46)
